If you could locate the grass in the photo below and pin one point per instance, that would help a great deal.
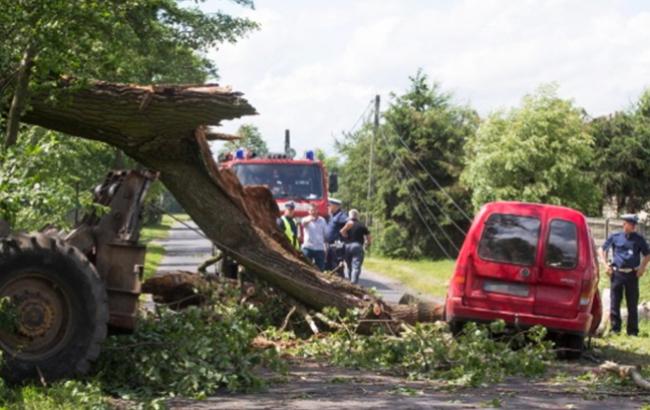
(425, 276)
(644, 287)
(70, 394)
(626, 349)
(155, 251)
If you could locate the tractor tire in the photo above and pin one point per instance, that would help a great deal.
(59, 308)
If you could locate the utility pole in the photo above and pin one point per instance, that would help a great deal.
(372, 154)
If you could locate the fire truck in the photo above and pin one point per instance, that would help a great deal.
(301, 180)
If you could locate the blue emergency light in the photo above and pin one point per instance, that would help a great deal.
(309, 155)
(240, 153)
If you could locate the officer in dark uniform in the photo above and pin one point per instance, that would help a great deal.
(335, 246)
(625, 269)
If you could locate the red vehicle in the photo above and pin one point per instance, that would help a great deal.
(528, 264)
(303, 181)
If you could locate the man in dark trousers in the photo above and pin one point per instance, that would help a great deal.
(287, 224)
(356, 237)
(335, 246)
(624, 270)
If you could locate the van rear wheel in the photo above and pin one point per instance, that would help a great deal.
(570, 346)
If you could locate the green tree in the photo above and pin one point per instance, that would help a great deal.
(144, 41)
(332, 162)
(421, 140)
(129, 40)
(250, 138)
(46, 176)
(622, 160)
(539, 152)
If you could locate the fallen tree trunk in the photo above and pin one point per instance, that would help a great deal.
(183, 288)
(163, 127)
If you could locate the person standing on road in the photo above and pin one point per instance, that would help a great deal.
(335, 246)
(624, 270)
(314, 231)
(357, 237)
(287, 224)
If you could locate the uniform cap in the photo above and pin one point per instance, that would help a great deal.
(290, 205)
(335, 201)
(632, 218)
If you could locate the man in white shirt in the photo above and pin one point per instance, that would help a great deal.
(314, 230)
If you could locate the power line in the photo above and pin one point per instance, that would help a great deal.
(435, 181)
(363, 114)
(423, 190)
(442, 248)
(426, 224)
(438, 224)
(445, 234)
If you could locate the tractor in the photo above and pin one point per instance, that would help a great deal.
(64, 293)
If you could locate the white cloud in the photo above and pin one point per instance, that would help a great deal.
(314, 66)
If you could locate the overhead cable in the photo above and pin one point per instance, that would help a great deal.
(435, 238)
(363, 114)
(423, 191)
(435, 181)
(398, 161)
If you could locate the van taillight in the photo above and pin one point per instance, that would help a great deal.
(458, 281)
(585, 294)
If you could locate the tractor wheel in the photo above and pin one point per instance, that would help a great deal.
(57, 305)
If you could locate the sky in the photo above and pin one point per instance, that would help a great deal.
(314, 66)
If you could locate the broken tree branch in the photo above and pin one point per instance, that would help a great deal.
(287, 318)
(625, 371)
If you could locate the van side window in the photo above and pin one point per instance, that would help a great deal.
(562, 246)
(510, 239)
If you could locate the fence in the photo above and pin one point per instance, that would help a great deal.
(601, 228)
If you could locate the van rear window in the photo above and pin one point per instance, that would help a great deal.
(562, 246)
(510, 239)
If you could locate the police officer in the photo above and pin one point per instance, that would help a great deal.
(335, 247)
(624, 270)
(287, 224)
(357, 237)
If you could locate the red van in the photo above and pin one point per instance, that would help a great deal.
(528, 264)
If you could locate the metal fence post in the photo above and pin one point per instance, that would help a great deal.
(644, 227)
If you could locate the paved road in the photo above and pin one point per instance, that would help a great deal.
(186, 249)
(312, 385)
(390, 289)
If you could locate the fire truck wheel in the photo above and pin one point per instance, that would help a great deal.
(227, 267)
(55, 309)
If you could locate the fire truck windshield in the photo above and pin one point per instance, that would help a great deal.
(294, 181)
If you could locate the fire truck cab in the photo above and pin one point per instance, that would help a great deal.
(303, 181)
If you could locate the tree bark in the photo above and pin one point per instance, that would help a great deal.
(20, 95)
(163, 127)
